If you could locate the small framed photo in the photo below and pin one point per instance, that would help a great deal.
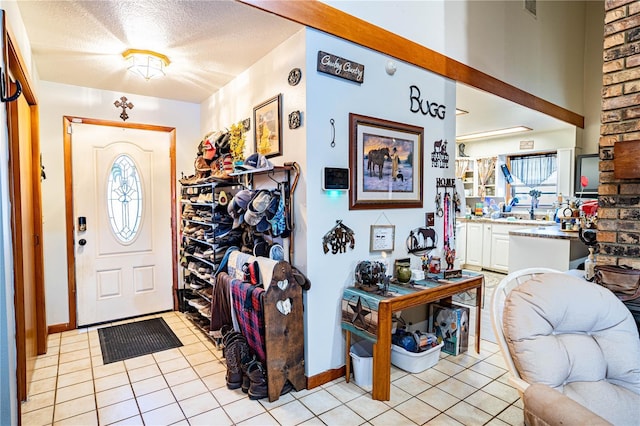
(382, 238)
(267, 129)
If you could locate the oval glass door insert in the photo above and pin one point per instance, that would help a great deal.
(124, 198)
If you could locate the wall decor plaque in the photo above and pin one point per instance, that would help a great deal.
(294, 77)
(526, 144)
(295, 119)
(340, 67)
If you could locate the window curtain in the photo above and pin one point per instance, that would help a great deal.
(461, 167)
(486, 166)
(533, 170)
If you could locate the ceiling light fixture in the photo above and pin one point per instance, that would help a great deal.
(492, 133)
(146, 63)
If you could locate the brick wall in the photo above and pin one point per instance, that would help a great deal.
(619, 200)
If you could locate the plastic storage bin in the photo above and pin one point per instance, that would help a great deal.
(415, 362)
(362, 356)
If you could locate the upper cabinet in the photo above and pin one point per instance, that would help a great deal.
(465, 171)
(478, 176)
(486, 168)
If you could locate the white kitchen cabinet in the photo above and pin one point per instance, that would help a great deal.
(487, 244)
(565, 166)
(474, 244)
(499, 247)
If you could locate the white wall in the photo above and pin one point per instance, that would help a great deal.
(262, 81)
(500, 38)
(510, 145)
(561, 141)
(381, 96)
(592, 78)
(57, 100)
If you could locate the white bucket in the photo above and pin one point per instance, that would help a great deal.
(362, 356)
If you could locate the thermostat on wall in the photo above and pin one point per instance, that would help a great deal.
(335, 179)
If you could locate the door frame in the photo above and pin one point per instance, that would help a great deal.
(17, 66)
(67, 121)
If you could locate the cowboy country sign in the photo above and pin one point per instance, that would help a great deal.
(340, 67)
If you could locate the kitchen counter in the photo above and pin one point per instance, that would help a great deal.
(506, 221)
(553, 231)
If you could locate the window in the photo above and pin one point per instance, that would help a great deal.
(124, 198)
(534, 172)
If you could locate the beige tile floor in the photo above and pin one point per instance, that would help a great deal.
(186, 385)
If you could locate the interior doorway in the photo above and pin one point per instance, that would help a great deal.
(120, 185)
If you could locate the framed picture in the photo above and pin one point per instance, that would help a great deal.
(386, 164)
(382, 238)
(267, 129)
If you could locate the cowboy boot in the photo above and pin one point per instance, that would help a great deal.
(245, 358)
(246, 382)
(226, 339)
(234, 372)
(258, 387)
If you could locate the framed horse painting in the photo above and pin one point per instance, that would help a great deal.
(386, 164)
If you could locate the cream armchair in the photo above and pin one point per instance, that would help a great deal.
(573, 338)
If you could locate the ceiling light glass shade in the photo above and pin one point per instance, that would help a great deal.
(146, 63)
(493, 133)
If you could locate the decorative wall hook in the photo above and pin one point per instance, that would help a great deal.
(333, 132)
(4, 89)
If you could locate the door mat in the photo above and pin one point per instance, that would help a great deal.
(134, 339)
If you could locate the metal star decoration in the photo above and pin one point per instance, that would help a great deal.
(122, 103)
(359, 313)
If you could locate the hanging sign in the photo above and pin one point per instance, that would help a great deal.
(340, 67)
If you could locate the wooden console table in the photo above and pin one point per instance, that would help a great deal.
(369, 315)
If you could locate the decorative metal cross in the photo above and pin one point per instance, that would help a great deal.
(122, 103)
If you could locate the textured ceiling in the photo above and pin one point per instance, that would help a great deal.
(208, 42)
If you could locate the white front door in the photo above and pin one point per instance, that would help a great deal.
(122, 201)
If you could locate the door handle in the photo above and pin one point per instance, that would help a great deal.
(82, 242)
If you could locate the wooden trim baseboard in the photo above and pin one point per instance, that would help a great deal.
(322, 17)
(59, 328)
(325, 377)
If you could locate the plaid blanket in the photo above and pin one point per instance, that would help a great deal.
(248, 304)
